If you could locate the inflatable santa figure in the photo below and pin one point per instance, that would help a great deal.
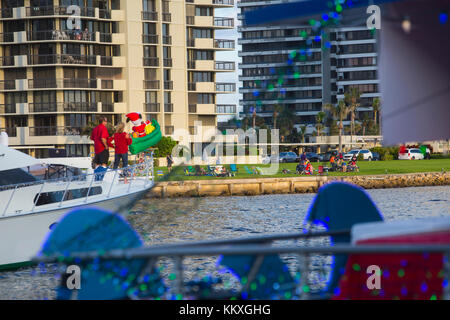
(139, 124)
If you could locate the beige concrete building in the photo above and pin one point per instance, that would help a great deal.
(64, 62)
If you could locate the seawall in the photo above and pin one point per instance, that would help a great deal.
(290, 185)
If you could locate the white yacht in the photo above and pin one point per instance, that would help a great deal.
(30, 207)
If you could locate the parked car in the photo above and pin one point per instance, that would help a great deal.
(287, 157)
(376, 156)
(326, 157)
(313, 157)
(367, 154)
(411, 154)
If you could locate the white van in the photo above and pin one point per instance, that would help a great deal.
(411, 154)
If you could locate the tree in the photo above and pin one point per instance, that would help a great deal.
(319, 121)
(276, 111)
(302, 133)
(339, 112)
(376, 106)
(164, 147)
(286, 121)
(352, 98)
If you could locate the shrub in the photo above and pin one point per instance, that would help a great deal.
(164, 147)
(360, 157)
(388, 156)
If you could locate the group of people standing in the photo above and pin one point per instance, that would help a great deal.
(120, 141)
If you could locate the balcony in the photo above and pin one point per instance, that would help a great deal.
(192, 86)
(224, 22)
(225, 87)
(223, 44)
(149, 16)
(169, 130)
(7, 37)
(225, 66)
(107, 107)
(151, 62)
(8, 84)
(10, 131)
(7, 61)
(6, 13)
(151, 84)
(54, 131)
(106, 37)
(150, 38)
(65, 35)
(226, 109)
(167, 62)
(106, 61)
(168, 107)
(202, 108)
(167, 40)
(62, 83)
(104, 14)
(168, 85)
(166, 17)
(7, 108)
(151, 107)
(190, 20)
(62, 59)
(49, 107)
(62, 11)
(192, 108)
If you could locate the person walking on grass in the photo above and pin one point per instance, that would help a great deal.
(120, 142)
(169, 162)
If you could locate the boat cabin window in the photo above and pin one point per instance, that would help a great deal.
(15, 176)
(56, 196)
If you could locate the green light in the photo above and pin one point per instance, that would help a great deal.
(356, 267)
(338, 8)
(287, 295)
(296, 75)
(401, 273)
(305, 288)
(433, 297)
(253, 286)
(172, 276)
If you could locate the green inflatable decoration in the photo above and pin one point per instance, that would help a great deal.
(143, 143)
(423, 149)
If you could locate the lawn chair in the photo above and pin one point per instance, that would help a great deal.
(322, 171)
(233, 169)
(210, 171)
(191, 170)
(248, 170)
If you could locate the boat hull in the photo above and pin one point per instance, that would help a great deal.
(26, 233)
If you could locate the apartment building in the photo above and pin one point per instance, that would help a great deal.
(65, 62)
(287, 66)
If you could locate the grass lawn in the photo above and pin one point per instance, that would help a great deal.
(366, 168)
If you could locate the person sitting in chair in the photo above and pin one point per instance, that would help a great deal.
(300, 167)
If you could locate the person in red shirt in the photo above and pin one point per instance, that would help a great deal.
(121, 141)
(100, 137)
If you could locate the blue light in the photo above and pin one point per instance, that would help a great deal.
(325, 17)
(317, 38)
(443, 18)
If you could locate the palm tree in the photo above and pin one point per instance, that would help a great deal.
(302, 132)
(319, 121)
(352, 98)
(340, 112)
(276, 111)
(376, 106)
(286, 122)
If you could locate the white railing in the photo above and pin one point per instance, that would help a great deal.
(140, 172)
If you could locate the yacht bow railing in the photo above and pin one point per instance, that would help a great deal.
(143, 172)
